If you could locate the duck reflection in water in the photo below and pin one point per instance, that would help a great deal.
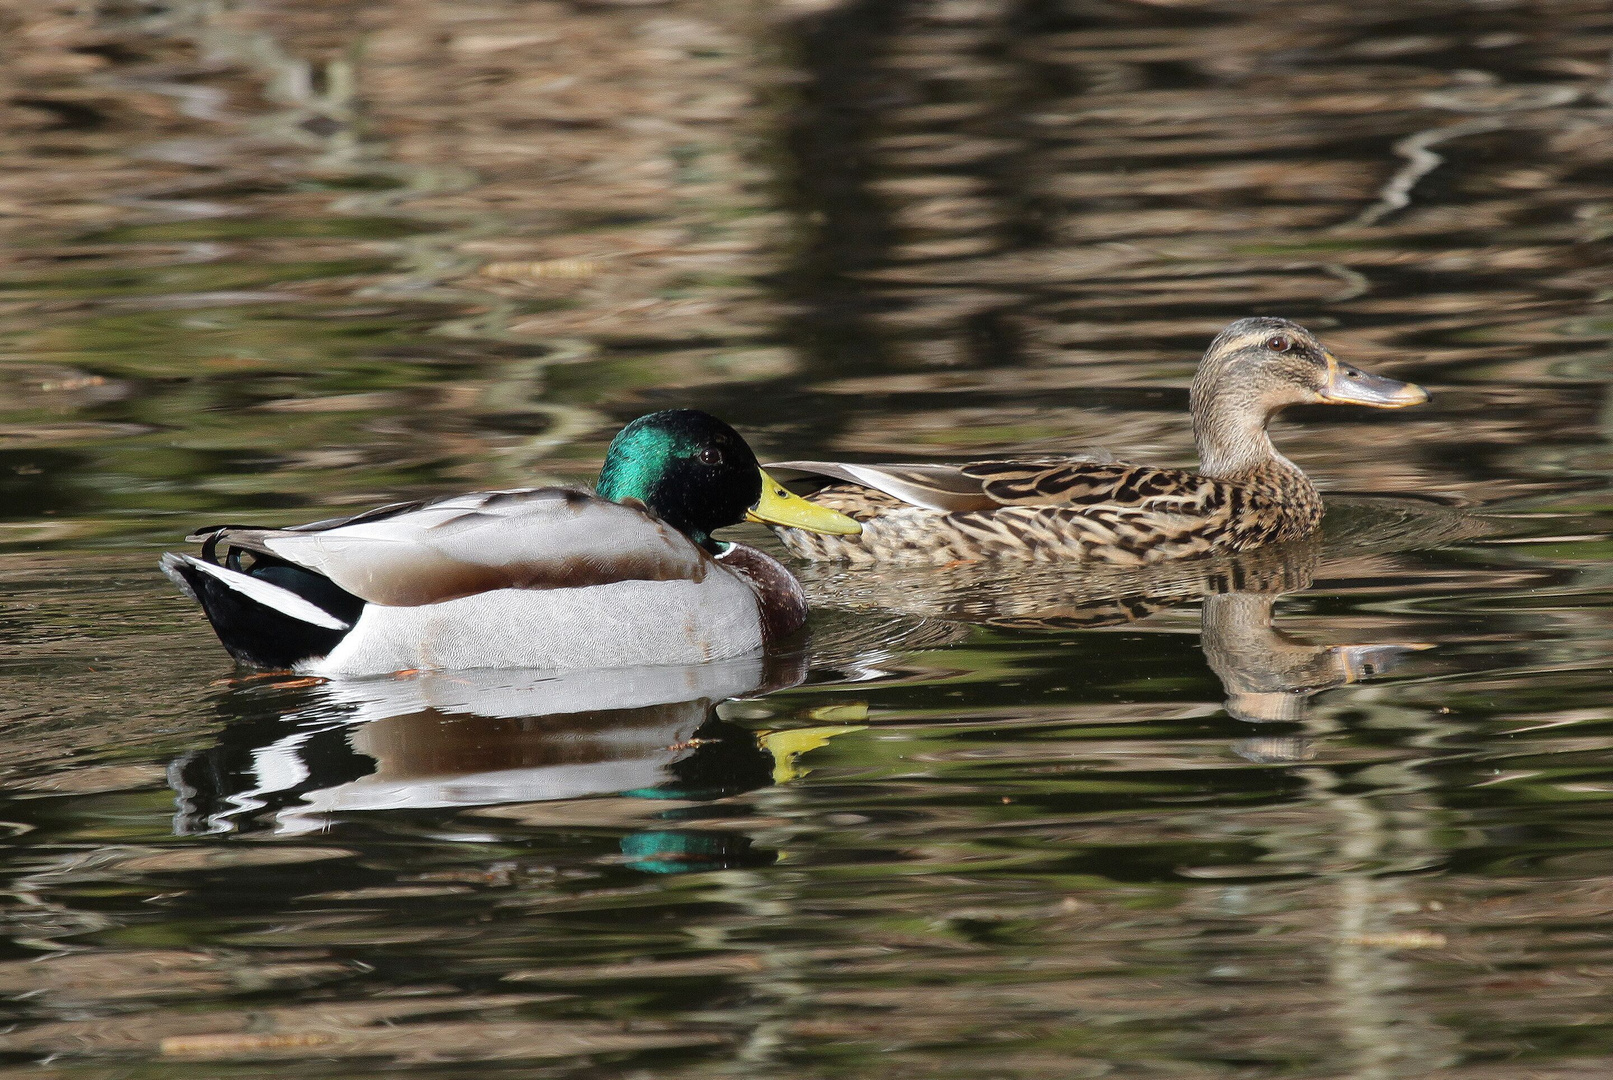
(440, 740)
(1268, 676)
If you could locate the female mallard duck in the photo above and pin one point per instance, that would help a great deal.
(1245, 493)
(552, 577)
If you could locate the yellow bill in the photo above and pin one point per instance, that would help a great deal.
(780, 506)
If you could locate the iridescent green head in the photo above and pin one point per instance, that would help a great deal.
(697, 474)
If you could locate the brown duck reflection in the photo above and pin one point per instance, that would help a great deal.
(1269, 676)
(1054, 596)
(479, 738)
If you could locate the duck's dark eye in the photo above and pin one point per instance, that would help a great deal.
(1280, 343)
(710, 455)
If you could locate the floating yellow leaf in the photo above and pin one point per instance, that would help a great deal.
(1400, 939)
(787, 746)
(542, 270)
(228, 1044)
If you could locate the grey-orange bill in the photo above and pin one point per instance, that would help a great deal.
(1347, 385)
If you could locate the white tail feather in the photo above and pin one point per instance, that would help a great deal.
(284, 601)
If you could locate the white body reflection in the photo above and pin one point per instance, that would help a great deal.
(466, 738)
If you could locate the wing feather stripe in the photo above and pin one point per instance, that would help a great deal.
(270, 596)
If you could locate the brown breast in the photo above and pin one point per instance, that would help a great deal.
(1282, 505)
(780, 598)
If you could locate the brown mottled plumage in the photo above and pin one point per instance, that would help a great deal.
(1245, 493)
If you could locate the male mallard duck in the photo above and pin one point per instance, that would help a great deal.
(1245, 493)
(544, 577)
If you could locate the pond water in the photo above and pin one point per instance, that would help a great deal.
(1341, 809)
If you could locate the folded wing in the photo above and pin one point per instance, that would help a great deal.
(1078, 484)
(538, 538)
(1065, 482)
(934, 487)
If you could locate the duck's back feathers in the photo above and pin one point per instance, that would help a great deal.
(1087, 483)
(1050, 509)
(981, 485)
(426, 553)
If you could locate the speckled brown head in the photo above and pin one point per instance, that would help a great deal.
(1255, 368)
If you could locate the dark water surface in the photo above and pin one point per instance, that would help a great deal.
(1338, 810)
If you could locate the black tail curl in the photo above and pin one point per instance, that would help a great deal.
(253, 632)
